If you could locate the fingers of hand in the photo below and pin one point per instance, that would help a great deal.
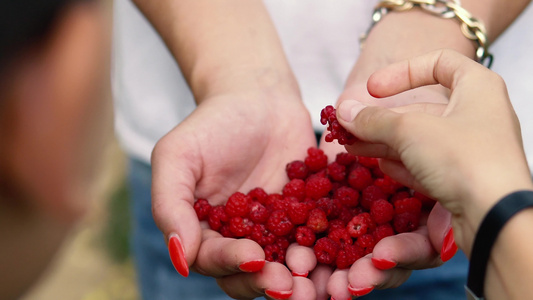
(363, 275)
(338, 284)
(300, 260)
(320, 277)
(411, 250)
(274, 278)
(179, 218)
(437, 67)
(219, 256)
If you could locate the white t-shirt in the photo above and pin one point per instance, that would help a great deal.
(321, 41)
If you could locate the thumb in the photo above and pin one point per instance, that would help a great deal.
(172, 208)
(374, 124)
(441, 233)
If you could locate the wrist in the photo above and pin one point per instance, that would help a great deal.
(481, 202)
(243, 79)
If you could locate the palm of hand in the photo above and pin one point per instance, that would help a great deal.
(236, 146)
(227, 144)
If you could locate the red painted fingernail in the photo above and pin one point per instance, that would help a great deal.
(383, 264)
(278, 294)
(300, 274)
(252, 266)
(449, 248)
(177, 255)
(360, 292)
(336, 298)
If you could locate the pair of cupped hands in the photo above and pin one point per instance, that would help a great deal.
(445, 139)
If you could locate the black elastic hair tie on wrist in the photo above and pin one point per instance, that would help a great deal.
(487, 234)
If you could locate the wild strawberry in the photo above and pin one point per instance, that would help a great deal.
(296, 170)
(316, 160)
(238, 205)
(202, 208)
(295, 188)
(381, 211)
(317, 187)
(305, 236)
(360, 177)
(336, 171)
(258, 195)
(347, 195)
(317, 220)
(279, 223)
(326, 250)
(240, 227)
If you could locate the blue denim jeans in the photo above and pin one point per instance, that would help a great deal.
(158, 280)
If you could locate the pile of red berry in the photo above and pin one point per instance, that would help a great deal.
(340, 209)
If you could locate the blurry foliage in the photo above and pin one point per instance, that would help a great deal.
(116, 235)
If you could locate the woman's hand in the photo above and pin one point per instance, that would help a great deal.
(230, 143)
(466, 154)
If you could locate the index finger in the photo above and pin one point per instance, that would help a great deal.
(445, 67)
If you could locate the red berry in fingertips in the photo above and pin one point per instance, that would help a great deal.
(345, 158)
(340, 236)
(296, 170)
(238, 205)
(298, 213)
(217, 216)
(279, 223)
(326, 250)
(370, 194)
(328, 116)
(305, 236)
(381, 211)
(317, 220)
(360, 177)
(347, 196)
(316, 160)
(317, 187)
(261, 235)
(274, 253)
(359, 225)
(240, 227)
(410, 205)
(258, 195)
(202, 208)
(382, 231)
(295, 188)
(406, 222)
(326, 113)
(336, 171)
(258, 213)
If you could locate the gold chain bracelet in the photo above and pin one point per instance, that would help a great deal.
(472, 28)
